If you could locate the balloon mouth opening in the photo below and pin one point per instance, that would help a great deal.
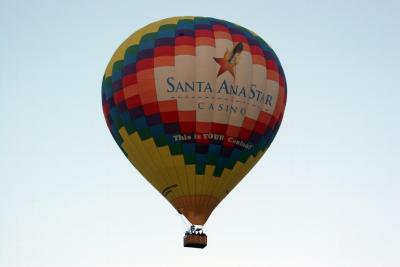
(196, 208)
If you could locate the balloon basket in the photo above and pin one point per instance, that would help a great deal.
(195, 238)
(195, 241)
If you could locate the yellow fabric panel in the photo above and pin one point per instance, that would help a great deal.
(181, 172)
(190, 173)
(136, 154)
(225, 177)
(162, 170)
(175, 177)
(211, 182)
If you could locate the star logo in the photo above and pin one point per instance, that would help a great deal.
(229, 61)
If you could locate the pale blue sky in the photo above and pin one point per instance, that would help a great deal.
(325, 195)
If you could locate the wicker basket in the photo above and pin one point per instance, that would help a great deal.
(195, 241)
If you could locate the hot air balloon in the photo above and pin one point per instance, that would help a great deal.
(194, 103)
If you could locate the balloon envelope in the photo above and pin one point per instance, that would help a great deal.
(194, 102)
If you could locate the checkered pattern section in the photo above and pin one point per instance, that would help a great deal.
(129, 95)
